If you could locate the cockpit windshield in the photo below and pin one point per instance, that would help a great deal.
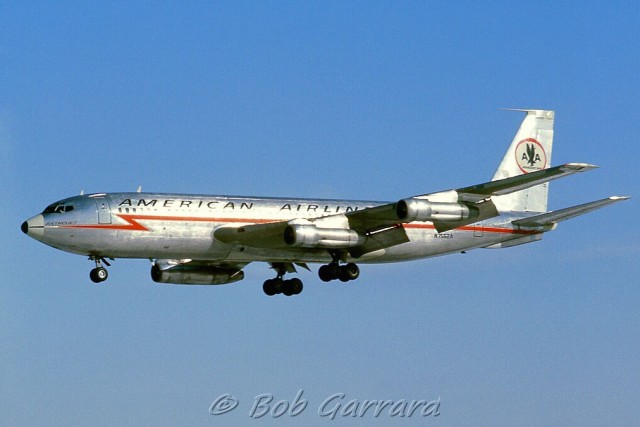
(58, 208)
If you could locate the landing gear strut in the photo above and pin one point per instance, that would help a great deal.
(281, 286)
(99, 274)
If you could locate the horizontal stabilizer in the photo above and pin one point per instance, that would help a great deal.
(554, 217)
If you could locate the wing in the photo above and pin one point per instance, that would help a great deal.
(476, 198)
(378, 227)
(520, 182)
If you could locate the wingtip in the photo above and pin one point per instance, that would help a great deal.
(580, 167)
(619, 198)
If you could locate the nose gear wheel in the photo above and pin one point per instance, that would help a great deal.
(99, 274)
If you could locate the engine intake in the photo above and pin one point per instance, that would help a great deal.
(310, 236)
(409, 210)
(195, 275)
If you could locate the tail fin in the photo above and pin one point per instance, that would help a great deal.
(529, 151)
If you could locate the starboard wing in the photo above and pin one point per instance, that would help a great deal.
(379, 227)
(520, 182)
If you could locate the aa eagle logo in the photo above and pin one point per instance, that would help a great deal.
(530, 155)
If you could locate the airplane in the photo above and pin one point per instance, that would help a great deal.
(207, 240)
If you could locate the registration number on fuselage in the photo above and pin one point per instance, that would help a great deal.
(443, 236)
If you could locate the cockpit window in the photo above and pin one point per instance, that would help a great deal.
(58, 208)
(50, 208)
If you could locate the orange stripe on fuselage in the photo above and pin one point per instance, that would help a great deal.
(134, 225)
(472, 228)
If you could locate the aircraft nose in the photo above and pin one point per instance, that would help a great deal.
(33, 227)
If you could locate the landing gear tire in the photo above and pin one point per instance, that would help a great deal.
(343, 275)
(269, 287)
(324, 273)
(333, 271)
(294, 285)
(329, 272)
(272, 286)
(349, 272)
(286, 287)
(278, 285)
(98, 274)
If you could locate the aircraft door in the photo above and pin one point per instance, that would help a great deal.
(478, 229)
(104, 210)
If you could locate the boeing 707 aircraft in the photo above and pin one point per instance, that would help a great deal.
(208, 240)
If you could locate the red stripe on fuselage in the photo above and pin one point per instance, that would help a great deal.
(476, 229)
(134, 225)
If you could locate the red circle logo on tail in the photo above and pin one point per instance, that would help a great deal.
(530, 155)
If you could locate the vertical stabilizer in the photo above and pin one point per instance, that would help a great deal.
(529, 151)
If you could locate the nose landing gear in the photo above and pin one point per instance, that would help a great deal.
(99, 274)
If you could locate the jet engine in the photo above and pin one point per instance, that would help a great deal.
(196, 275)
(423, 210)
(310, 236)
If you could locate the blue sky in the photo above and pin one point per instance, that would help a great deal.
(343, 100)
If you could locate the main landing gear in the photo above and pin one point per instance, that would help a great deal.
(335, 271)
(99, 274)
(280, 286)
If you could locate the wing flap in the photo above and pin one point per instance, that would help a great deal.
(372, 219)
(381, 240)
(288, 267)
(167, 264)
(267, 235)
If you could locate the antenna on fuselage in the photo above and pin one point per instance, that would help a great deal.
(139, 190)
(82, 192)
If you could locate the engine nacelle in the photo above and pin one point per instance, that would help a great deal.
(195, 275)
(310, 236)
(423, 210)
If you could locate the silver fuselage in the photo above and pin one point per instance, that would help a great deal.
(181, 226)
